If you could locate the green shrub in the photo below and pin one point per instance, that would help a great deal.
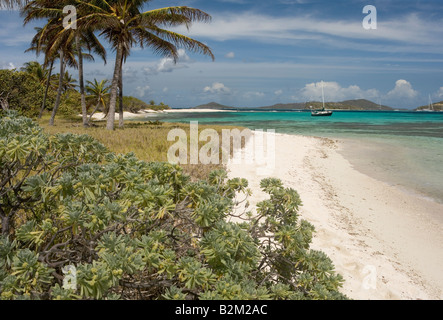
(22, 92)
(70, 104)
(80, 222)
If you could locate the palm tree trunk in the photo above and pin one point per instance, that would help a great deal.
(95, 110)
(114, 87)
(48, 82)
(4, 103)
(59, 90)
(81, 81)
(5, 226)
(120, 97)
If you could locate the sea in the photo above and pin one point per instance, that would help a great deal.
(401, 148)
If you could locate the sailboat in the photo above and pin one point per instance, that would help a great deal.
(430, 106)
(322, 112)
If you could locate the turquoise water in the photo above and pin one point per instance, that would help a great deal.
(401, 148)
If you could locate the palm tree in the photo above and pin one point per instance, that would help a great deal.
(86, 39)
(120, 96)
(68, 83)
(64, 41)
(38, 71)
(39, 47)
(98, 92)
(124, 25)
(45, 37)
(65, 52)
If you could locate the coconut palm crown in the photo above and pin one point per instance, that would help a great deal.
(55, 39)
(124, 25)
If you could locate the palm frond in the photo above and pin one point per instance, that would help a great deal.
(183, 41)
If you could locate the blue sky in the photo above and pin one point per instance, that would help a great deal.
(279, 51)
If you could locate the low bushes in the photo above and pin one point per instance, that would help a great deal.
(80, 222)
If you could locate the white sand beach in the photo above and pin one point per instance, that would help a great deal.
(385, 242)
(196, 111)
(100, 116)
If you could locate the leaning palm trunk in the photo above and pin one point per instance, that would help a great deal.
(59, 90)
(81, 81)
(114, 88)
(45, 96)
(95, 110)
(4, 103)
(120, 97)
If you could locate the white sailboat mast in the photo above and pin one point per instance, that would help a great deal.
(323, 94)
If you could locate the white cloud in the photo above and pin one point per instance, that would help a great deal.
(7, 65)
(230, 55)
(141, 91)
(440, 92)
(408, 30)
(253, 94)
(217, 88)
(278, 92)
(403, 89)
(333, 91)
(168, 65)
(130, 74)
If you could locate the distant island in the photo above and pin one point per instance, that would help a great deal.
(360, 104)
(214, 106)
(438, 106)
(353, 105)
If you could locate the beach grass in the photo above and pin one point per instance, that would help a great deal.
(147, 140)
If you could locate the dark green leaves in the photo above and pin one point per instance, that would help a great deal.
(128, 229)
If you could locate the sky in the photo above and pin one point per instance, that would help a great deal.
(280, 51)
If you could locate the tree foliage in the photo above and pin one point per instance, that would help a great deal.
(21, 91)
(135, 105)
(137, 230)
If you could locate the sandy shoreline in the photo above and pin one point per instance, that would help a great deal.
(386, 243)
(143, 114)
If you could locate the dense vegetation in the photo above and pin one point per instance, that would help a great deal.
(148, 140)
(135, 105)
(81, 222)
(22, 91)
(71, 39)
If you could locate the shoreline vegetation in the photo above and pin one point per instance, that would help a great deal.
(147, 139)
(365, 226)
(133, 229)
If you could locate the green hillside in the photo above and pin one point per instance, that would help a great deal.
(436, 107)
(214, 106)
(360, 104)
